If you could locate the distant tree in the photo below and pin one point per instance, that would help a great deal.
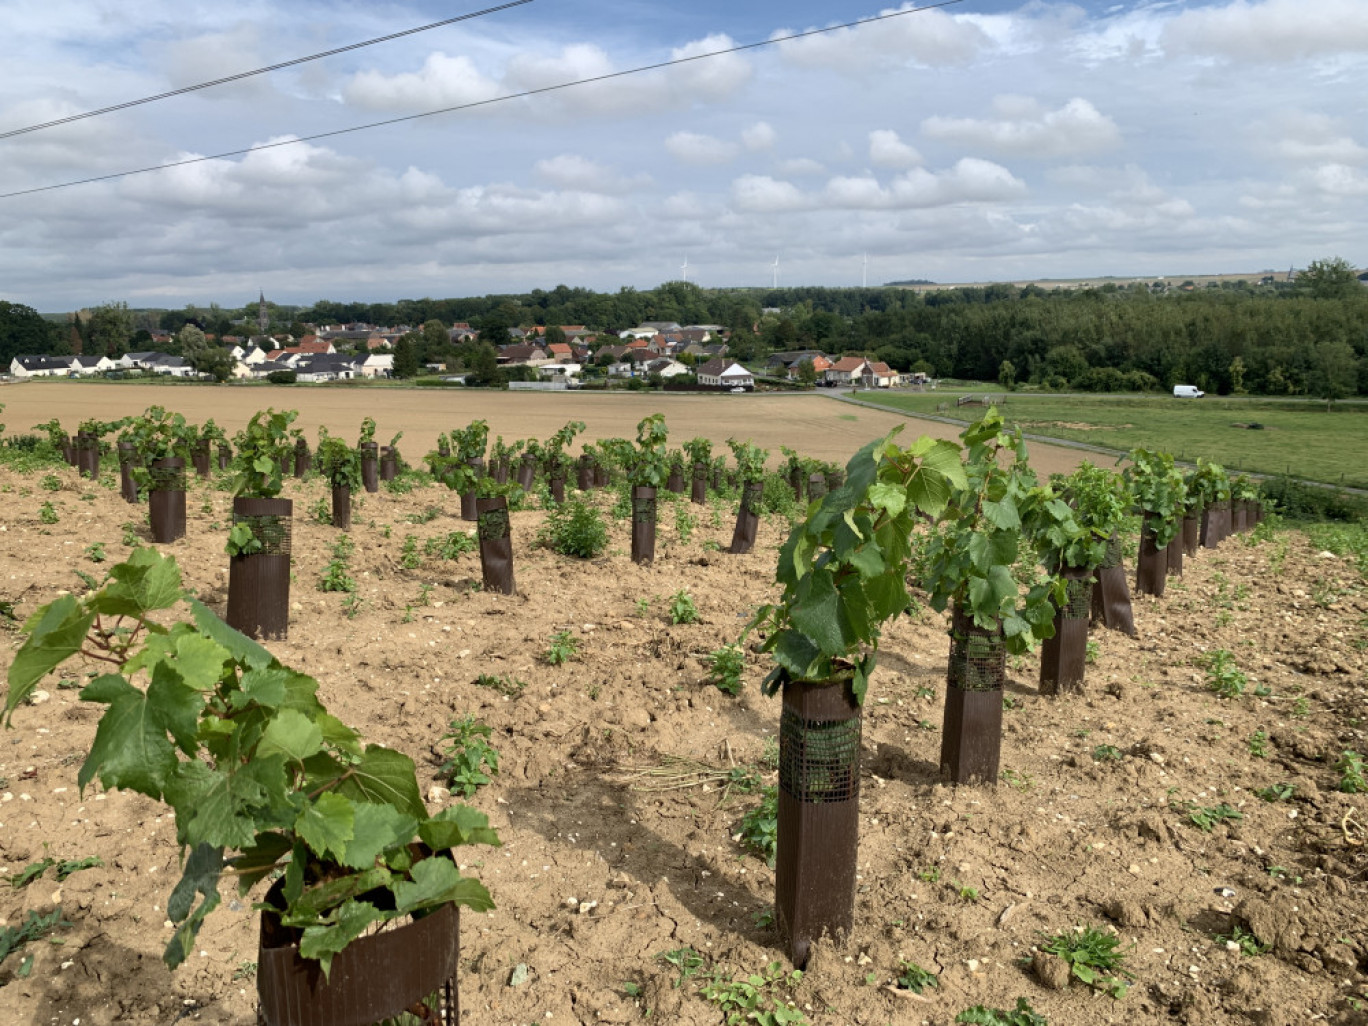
(1334, 371)
(192, 343)
(554, 334)
(299, 329)
(603, 358)
(1007, 375)
(1067, 362)
(1237, 373)
(111, 326)
(482, 367)
(282, 377)
(215, 361)
(807, 374)
(1328, 279)
(436, 336)
(406, 357)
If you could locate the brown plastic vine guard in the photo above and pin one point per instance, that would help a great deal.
(1151, 568)
(819, 805)
(1192, 534)
(675, 482)
(166, 499)
(1174, 556)
(600, 476)
(1064, 657)
(1111, 605)
(128, 487)
(817, 487)
(199, 456)
(496, 545)
(370, 466)
(971, 733)
(225, 456)
(584, 473)
(643, 524)
(410, 968)
(469, 511)
(527, 471)
(389, 463)
(341, 507)
(501, 471)
(699, 492)
(303, 458)
(556, 485)
(259, 582)
(747, 518)
(87, 448)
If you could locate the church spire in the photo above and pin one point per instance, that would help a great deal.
(263, 317)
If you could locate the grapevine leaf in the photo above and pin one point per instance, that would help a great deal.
(327, 824)
(376, 828)
(796, 653)
(435, 882)
(888, 497)
(293, 735)
(57, 632)
(887, 596)
(457, 825)
(145, 582)
(264, 686)
(201, 876)
(1002, 515)
(242, 648)
(105, 688)
(338, 734)
(344, 926)
(311, 905)
(207, 805)
(176, 706)
(200, 661)
(385, 777)
(130, 749)
(258, 860)
(815, 614)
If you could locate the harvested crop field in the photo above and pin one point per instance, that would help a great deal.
(618, 847)
(814, 424)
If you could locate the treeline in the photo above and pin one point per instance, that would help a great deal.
(1307, 337)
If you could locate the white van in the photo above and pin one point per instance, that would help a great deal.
(1187, 392)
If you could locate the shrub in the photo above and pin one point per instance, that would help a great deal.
(282, 377)
(574, 528)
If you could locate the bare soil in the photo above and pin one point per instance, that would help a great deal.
(961, 881)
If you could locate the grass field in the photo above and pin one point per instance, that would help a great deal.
(1300, 439)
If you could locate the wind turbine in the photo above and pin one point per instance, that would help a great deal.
(685, 268)
(864, 281)
(776, 272)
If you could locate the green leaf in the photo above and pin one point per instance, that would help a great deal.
(890, 498)
(265, 687)
(457, 825)
(326, 825)
(815, 613)
(376, 828)
(349, 922)
(437, 881)
(260, 859)
(131, 749)
(242, 648)
(1002, 515)
(385, 777)
(201, 876)
(316, 902)
(293, 735)
(209, 805)
(106, 688)
(200, 661)
(147, 581)
(57, 632)
(175, 706)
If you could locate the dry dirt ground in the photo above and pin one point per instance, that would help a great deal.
(814, 424)
(960, 881)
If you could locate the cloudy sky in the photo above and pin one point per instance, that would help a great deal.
(978, 142)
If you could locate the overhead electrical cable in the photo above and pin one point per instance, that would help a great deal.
(260, 71)
(478, 103)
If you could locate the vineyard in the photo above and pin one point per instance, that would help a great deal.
(1166, 820)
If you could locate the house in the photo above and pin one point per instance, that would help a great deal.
(880, 375)
(635, 333)
(462, 333)
(848, 370)
(722, 373)
(662, 326)
(172, 366)
(632, 363)
(667, 368)
(559, 371)
(517, 355)
(324, 367)
(379, 365)
(24, 366)
(786, 364)
(559, 351)
(88, 364)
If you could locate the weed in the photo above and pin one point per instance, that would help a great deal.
(563, 648)
(321, 512)
(47, 514)
(505, 684)
(408, 615)
(245, 971)
(1009, 703)
(760, 826)
(574, 528)
(471, 762)
(926, 725)
(687, 961)
(51, 483)
(682, 608)
(427, 516)
(1276, 792)
(1022, 1015)
(1258, 745)
(752, 1000)
(1301, 708)
(1241, 940)
(1107, 753)
(35, 927)
(95, 552)
(769, 754)
(966, 893)
(1023, 782)
(1093, 958)
(1224, 618)
(726, 665)
(1350, 769)
(914, 978)
(351, 606)
(337, 575)
(685, 522)
(931, 874)
(409, 557)
(643, 606)
(449, 547)
(925, 692)
(130, 535)
(1205, 817)
(1093, 651)
(1223, 676)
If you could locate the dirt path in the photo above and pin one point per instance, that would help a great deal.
(811, 424)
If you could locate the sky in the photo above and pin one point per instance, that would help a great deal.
(980, 141)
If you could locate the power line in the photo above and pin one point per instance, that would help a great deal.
(477, 103)
(260, 71)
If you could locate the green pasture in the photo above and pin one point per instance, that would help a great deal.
(1296, 438)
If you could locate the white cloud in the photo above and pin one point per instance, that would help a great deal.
(969, 181)
(1302, 136)
(692, 148)
(800, 167)
(887, 150)
(930, 38)
(1340, 181)
(571, 171)
(1024, 129)
(1272, 32)
(759, 136)
(761, 194)
(441, 82)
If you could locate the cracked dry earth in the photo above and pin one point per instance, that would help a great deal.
(599, 873)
